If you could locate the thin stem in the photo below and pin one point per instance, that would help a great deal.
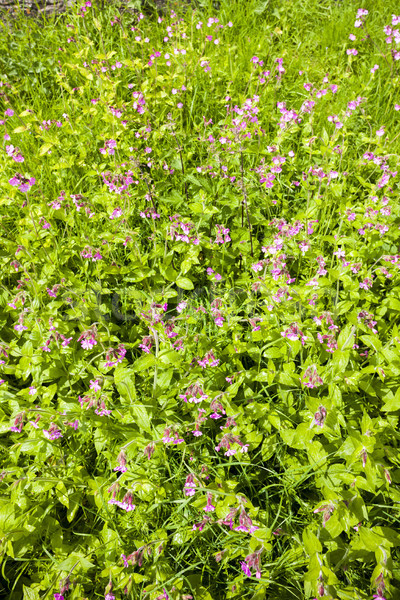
(245, 202)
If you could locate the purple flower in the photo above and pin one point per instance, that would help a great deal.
(245, 569)
(53, 432)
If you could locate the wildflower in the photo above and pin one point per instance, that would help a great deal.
(45, 224)
(293, 333)
(209, 507)
(109, 147)
(20, 325)
(311, 378)
(366, 284)
(122, 462)
(320, 416)
(174, 438)
(53, 433)
(367, 319)
(88, 338)
(149, 449)
(181, 306)
(23, 183)
(117, 212)
(14, 153)
(208, 360)
(94, 385)
(381, 131)
(19, 422)
(327, 510)
(190, 485)
(126, 503)
(146, 344)
(252, 561)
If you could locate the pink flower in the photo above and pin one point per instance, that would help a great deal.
(311, 378)
(245, 569)
(22, 183)
(320, 416)
(53, 433)
(88, 338)
(117, 212)
(181, 306)
(190, 485)
(88, 344)
(381, 131)
(366, 284)
(209, 507)
(94, 385)
(293, 333)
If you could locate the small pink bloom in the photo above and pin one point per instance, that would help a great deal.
(94, 385)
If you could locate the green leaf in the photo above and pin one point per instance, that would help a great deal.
(124, 380)
(393, 404)
(311, 542)
(74, 503)
(141, 417)
(45, 148)
(30, 594)
(97, 24)
(184, 283)
(340, 360)
(144, 363)
(73, 560)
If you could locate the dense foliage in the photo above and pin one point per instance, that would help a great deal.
(200, 254)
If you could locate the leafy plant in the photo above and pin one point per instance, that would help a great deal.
(200, 260)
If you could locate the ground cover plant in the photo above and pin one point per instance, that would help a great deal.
(200, 352)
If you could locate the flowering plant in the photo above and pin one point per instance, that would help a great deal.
(199, 348)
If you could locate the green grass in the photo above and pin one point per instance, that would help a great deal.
(324, 498)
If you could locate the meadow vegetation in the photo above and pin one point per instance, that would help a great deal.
(200, 301)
